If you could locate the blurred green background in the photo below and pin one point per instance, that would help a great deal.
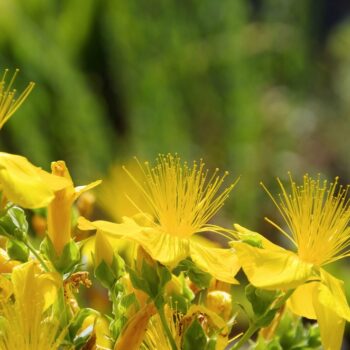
(255, 87)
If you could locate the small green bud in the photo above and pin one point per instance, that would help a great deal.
(17, 250)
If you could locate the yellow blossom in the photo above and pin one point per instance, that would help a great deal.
(28, 320)
(155, 337)
(8, 103)
(135, 329)
(59, 210)
(182, 199)
(317, 215)
(25, 184)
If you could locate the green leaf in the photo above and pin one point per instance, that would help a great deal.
(211, 345)
(151, 278)
(105, 275)
(291, 334)
(138, 282)
(67, 261)
(164, 276)
(265, 320)
(152, 281)
(200, 278)
(17, 250)
(14, 223)
(118, 266)
(195, 337)
(78, 320)
(260, 299)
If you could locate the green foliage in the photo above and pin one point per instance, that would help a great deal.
(108, 275)
(81, 336)
(260, 299)
(13, 223)
(122, 301)
(200, 278)
(67, 261)
(151, 280)
(14, 226)
(292, 334)
(194, 337)
(105, 275)
(17, 250)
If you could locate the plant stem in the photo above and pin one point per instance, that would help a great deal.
(166, 327)
(246, 336)
(35, 253)
(253, 326)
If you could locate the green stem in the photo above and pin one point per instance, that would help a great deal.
(35, 253)
(63, 311)
(246, 336)
(253, 327)
(166, 327)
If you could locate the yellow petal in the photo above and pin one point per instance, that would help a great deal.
(331, 295)
(56, 183)
(272, 269)
(214, 321)
(331, 327)
(6, 265)
(134, 331)
(5, 288)
(48, 284)
(245, 233)
(22, 183)
(34, 291)
(115, 230)
(81, 189)
(220, 263)
(331, 310)
(103, 340)
(85, 225)
(103, 250)
(167, 249)
(301, 302)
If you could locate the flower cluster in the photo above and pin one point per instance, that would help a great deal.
(171, 285)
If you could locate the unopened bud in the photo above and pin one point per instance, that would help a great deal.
(85, 204)
(142, 256)
(220, 302)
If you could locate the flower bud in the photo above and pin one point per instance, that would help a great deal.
(103, 250)
(221, 303)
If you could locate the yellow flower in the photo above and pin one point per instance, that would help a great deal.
(317, 215)
(182, 200)
(135, 329)
(8, 104)
(155, 337)
(59, 210)
(28, 320)
(25, 184)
